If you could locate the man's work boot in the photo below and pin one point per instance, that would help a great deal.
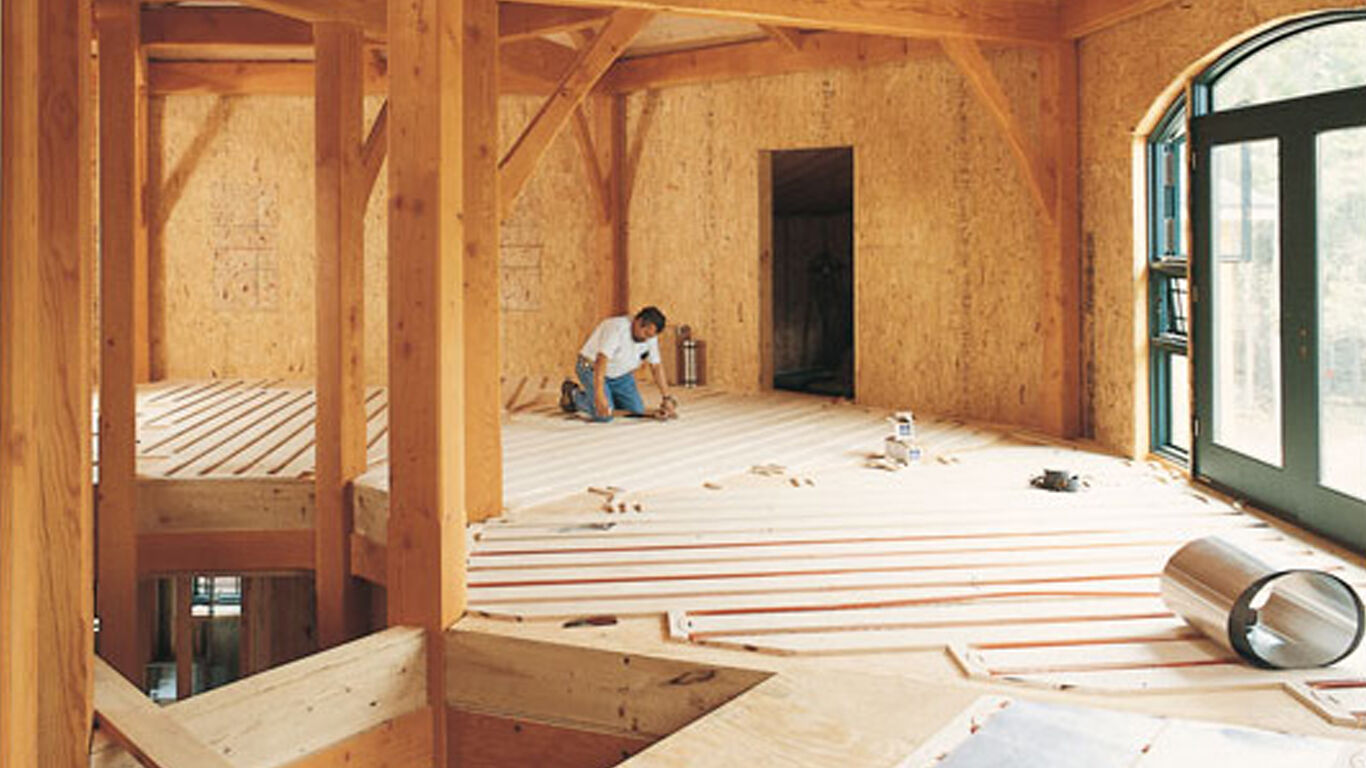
(567, 391)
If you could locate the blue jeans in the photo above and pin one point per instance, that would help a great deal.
(622, 393)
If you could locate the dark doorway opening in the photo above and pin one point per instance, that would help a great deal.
(813, 271)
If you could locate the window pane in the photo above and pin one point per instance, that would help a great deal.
(1342, 309)
(1179, 435)
(1245, 218)
(1175, 322)
(1327, 58)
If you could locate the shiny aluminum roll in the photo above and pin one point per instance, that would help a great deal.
(1274, 618)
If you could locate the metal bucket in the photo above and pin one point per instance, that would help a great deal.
(1274, 618)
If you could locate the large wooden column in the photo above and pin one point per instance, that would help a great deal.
(620, 206)
(443, 134)
(1061, 258)
(123, 292)
(340, 248)
(46, 549)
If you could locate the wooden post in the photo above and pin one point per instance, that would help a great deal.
(338, 121)
(483, 361)
(182, 632)
(123, 288)
(621, 207)
(47, 606)
(439, 141)
(1060, 311)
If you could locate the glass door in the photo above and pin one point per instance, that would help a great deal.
(1279, 220)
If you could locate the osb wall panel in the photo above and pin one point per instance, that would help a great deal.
(1124, 70)
(946, 236)
(232, 232)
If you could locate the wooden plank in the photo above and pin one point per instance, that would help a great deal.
(786, 37)
(181, 30)
(283, 78)
(967, 56)
(1086, 17)
(621, 207)
(225, 552)
(592, 63)
(142, 728)
(483, 449)
(298, 709)
(1060, 308)
(123, 285)
(481, 740)
(46, 516)
(340, 283)
(398, 743)
(819, 51)
(1008, 662)
(1009, 21)
(523, 21)
(621, 693)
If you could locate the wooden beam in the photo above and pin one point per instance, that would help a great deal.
(1008, 21)
(247, 77)
(123, 287)
(520, 161)
(820, 51)
(523, 21)
(975, 68)
(368, 559)
(1085, 17)
(621, 206)
(369, 15)
(182, 633)
(482, 295)
(46, 516)
(403, 741)
(597, 183)
(532, 66)
(143, 728)
(786, 37)
(376, 147)
(225, 551)
(301, 708)
(184, 30)
(339, 115)
(443, 68)
(1060, 304)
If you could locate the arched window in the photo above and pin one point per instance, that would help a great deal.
(1269, 159)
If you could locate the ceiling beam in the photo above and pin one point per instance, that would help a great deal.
(820, 51)
(521, 21)
(369, 15)
(1007, 21)
(167, 30)
(1084, 17)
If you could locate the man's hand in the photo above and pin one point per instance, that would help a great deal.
(602, 405)
(668, 408)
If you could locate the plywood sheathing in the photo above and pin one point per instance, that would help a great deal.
(1124, 70)
(232, 238)
(945, 232)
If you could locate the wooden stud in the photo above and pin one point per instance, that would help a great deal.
(975, 68)
(143, 728)
(482, 295)
(442, 124)
(765, 184)
(592, 63)
(182, 631)
(340, 221)
(1012, 22)
(46, 518)
(820, 51)
(1060, 304)
(786, 37)
(621, 207)
(123, 287)
(1085, 17)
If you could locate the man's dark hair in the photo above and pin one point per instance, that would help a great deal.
(653, 316)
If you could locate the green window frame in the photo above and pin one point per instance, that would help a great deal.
(1169, 288)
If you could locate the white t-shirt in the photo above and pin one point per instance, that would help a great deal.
(613, 338)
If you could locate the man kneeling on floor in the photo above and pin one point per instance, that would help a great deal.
(607, 365)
